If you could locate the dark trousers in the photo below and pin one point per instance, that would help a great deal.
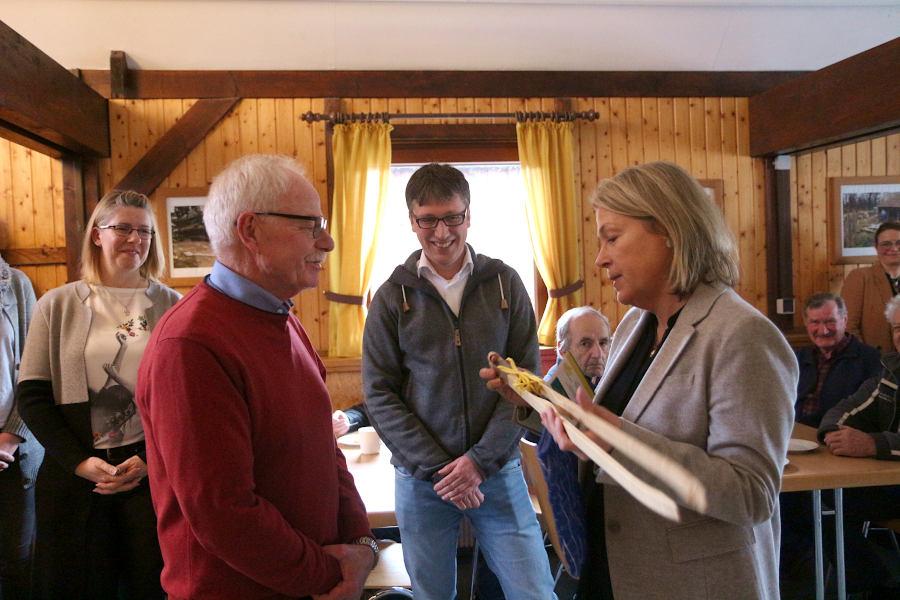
(16, 534)
(91, 546)
(865, 566)
(595, 583)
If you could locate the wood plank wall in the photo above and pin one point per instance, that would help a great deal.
(810, 171)
(31, 210)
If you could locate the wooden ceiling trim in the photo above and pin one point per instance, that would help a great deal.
(175, 144)
(445, 84)
(856, 97)
(46, 104)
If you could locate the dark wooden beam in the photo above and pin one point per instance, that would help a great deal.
(119, 78)
(19, 257)
(448, 84)
(24, 138)
(73, 207)
(779, 248)
(46, 103)
(454, 143)
(175, 145)
(852, 98)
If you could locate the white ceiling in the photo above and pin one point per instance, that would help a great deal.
(755, 35)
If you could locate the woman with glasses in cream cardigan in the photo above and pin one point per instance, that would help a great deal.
(96, 530)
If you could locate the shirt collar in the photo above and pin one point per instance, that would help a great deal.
(235, 285)
(467, 266)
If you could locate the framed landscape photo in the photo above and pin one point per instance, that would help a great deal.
(858, 205)
(183, 237)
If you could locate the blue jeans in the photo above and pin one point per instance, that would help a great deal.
(505, 525)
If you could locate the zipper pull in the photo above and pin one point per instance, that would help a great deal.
(457, 337)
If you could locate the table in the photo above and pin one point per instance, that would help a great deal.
(820, 470)
(374, 478)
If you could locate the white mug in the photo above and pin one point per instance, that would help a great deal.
(369, 443)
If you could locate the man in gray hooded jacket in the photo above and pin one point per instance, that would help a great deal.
(454, 443)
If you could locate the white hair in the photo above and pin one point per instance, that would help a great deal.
(892, 305)
(562, 325)
(255, 182)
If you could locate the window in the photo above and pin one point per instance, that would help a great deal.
(498, 229)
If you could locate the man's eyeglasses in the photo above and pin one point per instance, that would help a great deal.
(319, 223)
(124, 230)
(887, 245)
(430, 222)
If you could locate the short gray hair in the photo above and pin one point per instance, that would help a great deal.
(666, 197)
(891, 307)
(255, 182)
(821, 299)
(562, 325)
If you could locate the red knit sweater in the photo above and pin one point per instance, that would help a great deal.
(247, 481)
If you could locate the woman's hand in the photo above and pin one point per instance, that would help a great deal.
(554, 424)
(121, 478)
(492, 379)
(96, 469)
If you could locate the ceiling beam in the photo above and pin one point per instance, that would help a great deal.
(855, 97)
(439, 84)
(175, 144)
(47, 105)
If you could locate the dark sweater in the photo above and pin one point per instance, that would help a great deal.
(247, 481)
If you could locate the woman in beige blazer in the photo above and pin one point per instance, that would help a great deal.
(867, 290)
(700, 375)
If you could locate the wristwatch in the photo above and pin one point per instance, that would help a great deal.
(371, 542)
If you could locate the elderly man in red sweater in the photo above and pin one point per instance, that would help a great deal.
(252, 495)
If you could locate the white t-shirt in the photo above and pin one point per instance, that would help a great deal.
(117, 338)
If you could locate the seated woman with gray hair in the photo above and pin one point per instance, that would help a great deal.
(698, 374)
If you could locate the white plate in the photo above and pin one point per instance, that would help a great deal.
(798, 445)
(351, 440)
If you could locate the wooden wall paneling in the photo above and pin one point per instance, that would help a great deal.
(505, 104)
(431, 105)
(396, 106)
(120, 147)
(138, 132)
(414, 106)
(265, 114)
(307, 304)
(879, 156)
(618, 135)
(466, 105)
(6, 192)
(650, 128)
(833, 169)
(893, 154)
(59, 205)
(196, 159)
(730, 174)
(634, 131)
(285, 120)
(698, 137)
(848, 160)
(864, 158)
(22, 225)
(804, 204)
(745, 205)
(587, 168)
(606, 167)
(231, 131)
(760, 231)
(449, 105)
(42, 209)
(714, 141)
(682, 122)
(173, 110)
(666, 115)
(819, 196)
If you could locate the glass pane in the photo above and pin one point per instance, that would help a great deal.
(499, 228)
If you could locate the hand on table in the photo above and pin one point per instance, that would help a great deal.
(459, 483)
(9, 443)
(848, 441)
(554, 424)
(340, 424)
(356, 562)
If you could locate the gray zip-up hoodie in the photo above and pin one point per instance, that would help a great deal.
(420, 366)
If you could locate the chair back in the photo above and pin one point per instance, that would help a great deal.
(538, 485)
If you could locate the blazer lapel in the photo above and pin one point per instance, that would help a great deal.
(696, 309)
(617, 361)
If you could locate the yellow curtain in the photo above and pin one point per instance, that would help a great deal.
(362, 164)
(547, 156)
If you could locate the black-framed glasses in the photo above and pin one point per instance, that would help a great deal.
(320, 224)
(430, 222)
(124, 230)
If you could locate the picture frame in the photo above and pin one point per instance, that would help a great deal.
(188, 253)
(857, 206)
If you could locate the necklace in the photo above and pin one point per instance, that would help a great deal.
(126, 306)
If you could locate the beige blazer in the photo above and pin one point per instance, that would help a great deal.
(866, 291)
(718, 398)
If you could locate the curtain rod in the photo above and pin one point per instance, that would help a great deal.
(311, 117)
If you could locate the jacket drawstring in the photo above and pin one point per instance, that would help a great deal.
(504, 305)
(405, 303)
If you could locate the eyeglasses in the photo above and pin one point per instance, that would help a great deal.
(430, 222)
(124, 230)
(319, 223)
(887, 245)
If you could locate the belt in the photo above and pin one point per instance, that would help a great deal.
(118, 454)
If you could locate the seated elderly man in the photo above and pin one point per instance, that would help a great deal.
(583, 331)
(835, 365)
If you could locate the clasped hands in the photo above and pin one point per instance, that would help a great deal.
(111, 479)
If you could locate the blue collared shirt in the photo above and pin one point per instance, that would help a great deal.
(235, 285)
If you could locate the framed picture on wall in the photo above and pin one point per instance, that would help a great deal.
(188, 253)
(857, 206)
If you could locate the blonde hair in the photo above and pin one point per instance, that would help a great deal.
(669, 199)
(152, 269)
